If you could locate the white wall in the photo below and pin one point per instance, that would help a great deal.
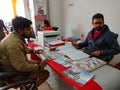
(6, 10)
(27, 9)
(78, 14)
(56, 14)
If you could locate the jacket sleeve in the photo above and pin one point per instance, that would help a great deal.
(18, 58)
(85, 43)
(29, 50)
(113, 46)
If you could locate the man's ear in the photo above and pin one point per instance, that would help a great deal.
(20, 31)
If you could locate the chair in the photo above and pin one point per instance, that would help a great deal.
(6, 83)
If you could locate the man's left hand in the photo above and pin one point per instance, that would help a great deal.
(38, 51)
(96, 53)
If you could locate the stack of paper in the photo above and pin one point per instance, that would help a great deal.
(55, 43)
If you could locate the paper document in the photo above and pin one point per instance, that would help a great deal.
(72, 52)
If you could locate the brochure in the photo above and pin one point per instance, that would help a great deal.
(90, 64)
(63, 61)
(78, 75)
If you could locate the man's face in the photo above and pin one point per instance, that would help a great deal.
(27, 32)
(98, 24)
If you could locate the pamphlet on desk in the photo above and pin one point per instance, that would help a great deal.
(74, 38)
(78, 75)
(89, 64)
(64, 61)
(55, 43)
(47, 53)
(52, 45)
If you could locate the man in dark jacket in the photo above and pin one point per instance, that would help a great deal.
(100, 42)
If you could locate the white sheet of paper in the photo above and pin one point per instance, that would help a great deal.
(72, 53)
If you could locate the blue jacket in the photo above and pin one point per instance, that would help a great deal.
(107, 42)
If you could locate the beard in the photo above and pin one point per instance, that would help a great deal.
(98, 28)
(26, 36)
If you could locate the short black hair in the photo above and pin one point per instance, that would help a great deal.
(20, 23)
(98, 15)
(46, 22)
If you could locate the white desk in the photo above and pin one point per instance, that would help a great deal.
(108, 77)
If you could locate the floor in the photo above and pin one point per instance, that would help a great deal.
(44, 86)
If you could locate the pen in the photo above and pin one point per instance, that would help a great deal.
(94, 62)
(67, 56)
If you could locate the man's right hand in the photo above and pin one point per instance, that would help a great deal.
(44, 63)
(96, 53)
(76, 45)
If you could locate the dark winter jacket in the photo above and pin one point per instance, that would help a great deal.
(107, 42)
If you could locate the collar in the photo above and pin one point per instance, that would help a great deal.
(101, 31)
(20, 36)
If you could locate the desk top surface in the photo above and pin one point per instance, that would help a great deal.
(108, 77)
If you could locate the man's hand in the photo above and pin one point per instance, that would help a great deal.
(44, 63)
(76, 45)
(38, 51)
(96, 53)
(7, 32)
